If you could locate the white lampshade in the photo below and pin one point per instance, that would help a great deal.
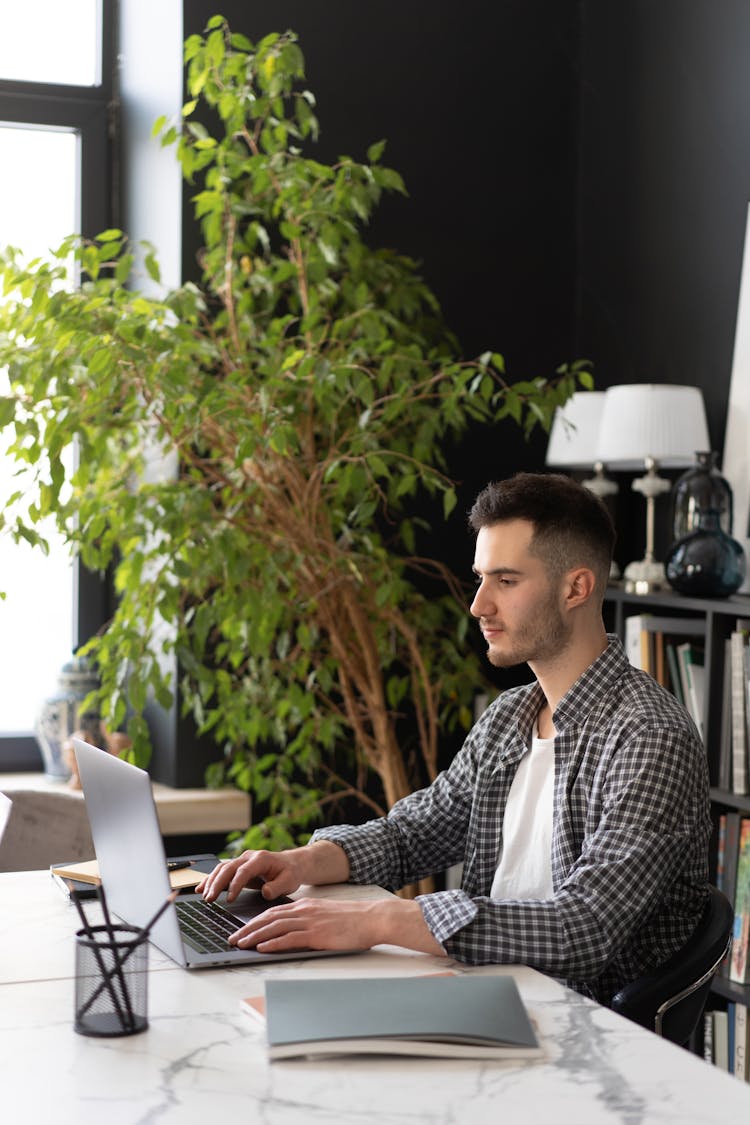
(652, 420)
(574, 435)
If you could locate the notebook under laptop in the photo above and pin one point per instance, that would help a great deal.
(133, 866)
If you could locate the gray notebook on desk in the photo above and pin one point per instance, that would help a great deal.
(133, 869)
(461, 1016)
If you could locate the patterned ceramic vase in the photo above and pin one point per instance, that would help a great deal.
(60, 715)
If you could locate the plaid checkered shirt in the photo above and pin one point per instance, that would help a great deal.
(630, 833)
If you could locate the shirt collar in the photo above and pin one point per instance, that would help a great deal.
(592, 684)
(584, 694)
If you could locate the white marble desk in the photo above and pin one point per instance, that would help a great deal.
(202, 1058)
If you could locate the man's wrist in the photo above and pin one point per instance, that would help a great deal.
(320, 862)
(399, 921)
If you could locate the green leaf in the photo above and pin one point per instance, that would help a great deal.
(375, 151)
(308, 399)
(240, 42)
(7, 410)
(152, 267)
(292, 359)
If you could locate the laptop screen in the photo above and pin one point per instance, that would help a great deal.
(128, 844)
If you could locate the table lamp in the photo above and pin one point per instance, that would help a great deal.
(574, 439)
(651, 426)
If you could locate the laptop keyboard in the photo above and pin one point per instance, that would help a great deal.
(205, 926)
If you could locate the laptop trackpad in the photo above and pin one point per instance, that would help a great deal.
(249, 904)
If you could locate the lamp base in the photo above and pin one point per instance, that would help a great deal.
(644, 577)
(600, 485)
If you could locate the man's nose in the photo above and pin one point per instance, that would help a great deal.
(482, 605)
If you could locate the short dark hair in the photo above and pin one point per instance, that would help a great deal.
(572, 526)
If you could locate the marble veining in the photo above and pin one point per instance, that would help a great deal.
(202, 1057)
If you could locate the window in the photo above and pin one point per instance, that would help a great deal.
(56, 151)
(49, 42)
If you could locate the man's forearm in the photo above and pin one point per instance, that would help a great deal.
(321, 862)
(401, 922)
(392, 921)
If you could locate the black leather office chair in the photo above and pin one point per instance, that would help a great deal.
(670, 999)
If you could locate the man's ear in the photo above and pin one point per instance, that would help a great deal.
(580, 586)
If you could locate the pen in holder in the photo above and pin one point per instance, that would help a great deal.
(111, 973)
(111, 981)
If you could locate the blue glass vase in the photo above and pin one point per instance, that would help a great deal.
(701, 489)
(707, 563)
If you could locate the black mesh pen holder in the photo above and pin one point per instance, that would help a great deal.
(111, 981)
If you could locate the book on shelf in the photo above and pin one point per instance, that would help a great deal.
(644, 645)
(731, 846)
(726, 1039)
(741, 1043)
(636, 640)
(731, 853)
(708, 1036)
(721, 1040)
(739, 966)
(690, 660)
(738, 642)
(652, 643)
(746, 658)
(724, 770)
(442, 1016)
(730, 1035)
(721, 848)
(660, 670)
(675, 681)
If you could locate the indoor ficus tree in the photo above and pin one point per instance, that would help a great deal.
(305, 393)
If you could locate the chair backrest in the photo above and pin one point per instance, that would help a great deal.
(5, 807)
(44, 827)
(670, 999)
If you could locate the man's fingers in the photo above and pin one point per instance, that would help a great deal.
(274, 874)
(240, 879)
(307, 924)
(283, 884)
(282, 932)
(219, 879)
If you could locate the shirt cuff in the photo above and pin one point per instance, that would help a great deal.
(342, 835)
(447, 912)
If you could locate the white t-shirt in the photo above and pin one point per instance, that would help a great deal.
(525, 867)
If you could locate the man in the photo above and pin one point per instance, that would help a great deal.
(578, 804)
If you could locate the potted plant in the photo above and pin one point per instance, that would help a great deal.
(305, 393)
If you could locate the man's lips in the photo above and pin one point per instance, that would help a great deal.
(489, 632)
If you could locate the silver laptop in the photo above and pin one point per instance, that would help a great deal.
(133, 869)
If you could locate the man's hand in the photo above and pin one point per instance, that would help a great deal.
(277, 873)
(338, 925)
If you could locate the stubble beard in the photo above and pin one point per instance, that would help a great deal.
(540, 640)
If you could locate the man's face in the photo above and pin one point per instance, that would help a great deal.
(519, 609)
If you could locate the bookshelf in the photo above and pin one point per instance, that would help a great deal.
(711, 621)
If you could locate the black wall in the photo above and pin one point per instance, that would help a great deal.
(579, 173)
(478, 104)
(663, 189)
